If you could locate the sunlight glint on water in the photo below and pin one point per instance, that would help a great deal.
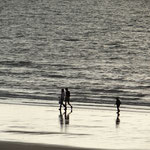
(99, 49)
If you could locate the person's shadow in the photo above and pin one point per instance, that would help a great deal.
(64, 119)
(118, 120)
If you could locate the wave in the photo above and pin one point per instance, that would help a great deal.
(16, 63)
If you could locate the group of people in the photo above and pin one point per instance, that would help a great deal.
(64, 97)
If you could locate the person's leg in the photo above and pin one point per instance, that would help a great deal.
(70, 104)
(60, 106)
(65, 105)
(118, 109)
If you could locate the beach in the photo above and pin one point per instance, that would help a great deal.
(99, 50)
(27, 146)
(87, 127)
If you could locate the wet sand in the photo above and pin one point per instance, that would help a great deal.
(86, 127)
(29, 146)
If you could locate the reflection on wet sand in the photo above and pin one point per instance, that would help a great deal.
(87, 127)
(64, 120)
(118, 120)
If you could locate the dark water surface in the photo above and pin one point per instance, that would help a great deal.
(100, 49)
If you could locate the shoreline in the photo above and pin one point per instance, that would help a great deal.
(81, 105)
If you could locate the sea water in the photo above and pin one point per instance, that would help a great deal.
(99, 49)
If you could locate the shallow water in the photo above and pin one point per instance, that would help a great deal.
(84, 127)
(100, 49)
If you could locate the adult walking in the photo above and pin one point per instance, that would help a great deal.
(67, 99)
(61, 99)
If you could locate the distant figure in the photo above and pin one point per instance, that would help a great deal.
(67, 99)
(61, 99)
(118, 102)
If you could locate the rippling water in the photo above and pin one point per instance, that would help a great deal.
(99, 49)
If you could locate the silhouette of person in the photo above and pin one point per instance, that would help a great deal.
(61, 99)
(67, 99)
(117, 119)
(118, 103)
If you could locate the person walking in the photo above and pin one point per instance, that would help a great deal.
(61, 99)
(67, 99)
(118, 103)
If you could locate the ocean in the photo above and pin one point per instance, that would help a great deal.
(99, 49)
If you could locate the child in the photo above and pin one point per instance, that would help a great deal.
(118, 102)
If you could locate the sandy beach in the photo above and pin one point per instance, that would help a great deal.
(29, 146)
(97, 127)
